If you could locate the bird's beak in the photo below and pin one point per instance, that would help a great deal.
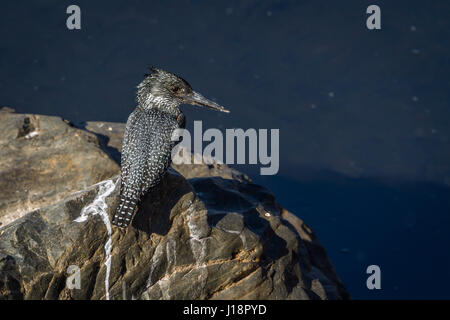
(197, 99)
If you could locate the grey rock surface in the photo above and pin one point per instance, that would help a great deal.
(43, 160)
(207, 233)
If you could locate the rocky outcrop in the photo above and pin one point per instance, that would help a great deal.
(206, 232)
(43, 160)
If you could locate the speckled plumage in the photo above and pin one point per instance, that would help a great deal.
(147, 144)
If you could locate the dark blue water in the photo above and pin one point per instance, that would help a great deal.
(364, 115)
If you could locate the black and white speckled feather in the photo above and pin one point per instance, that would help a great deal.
(147, 144)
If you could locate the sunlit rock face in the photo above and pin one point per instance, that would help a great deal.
(205, 232)
(43, 159)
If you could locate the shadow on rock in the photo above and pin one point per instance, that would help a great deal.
(154, 211)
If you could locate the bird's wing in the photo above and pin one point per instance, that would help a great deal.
(146, 155)
(148, 148)
(126, 146)
(160, 151)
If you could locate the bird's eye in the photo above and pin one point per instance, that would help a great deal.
(176, 89)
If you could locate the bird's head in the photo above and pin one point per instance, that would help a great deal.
(166, 90)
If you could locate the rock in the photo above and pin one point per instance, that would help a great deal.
(7, 109)
(207, 233)
(206, 238)
(110, 135)
(43, 160)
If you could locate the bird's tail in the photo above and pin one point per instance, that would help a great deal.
(124, 212)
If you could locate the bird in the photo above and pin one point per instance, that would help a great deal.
(147, 142)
